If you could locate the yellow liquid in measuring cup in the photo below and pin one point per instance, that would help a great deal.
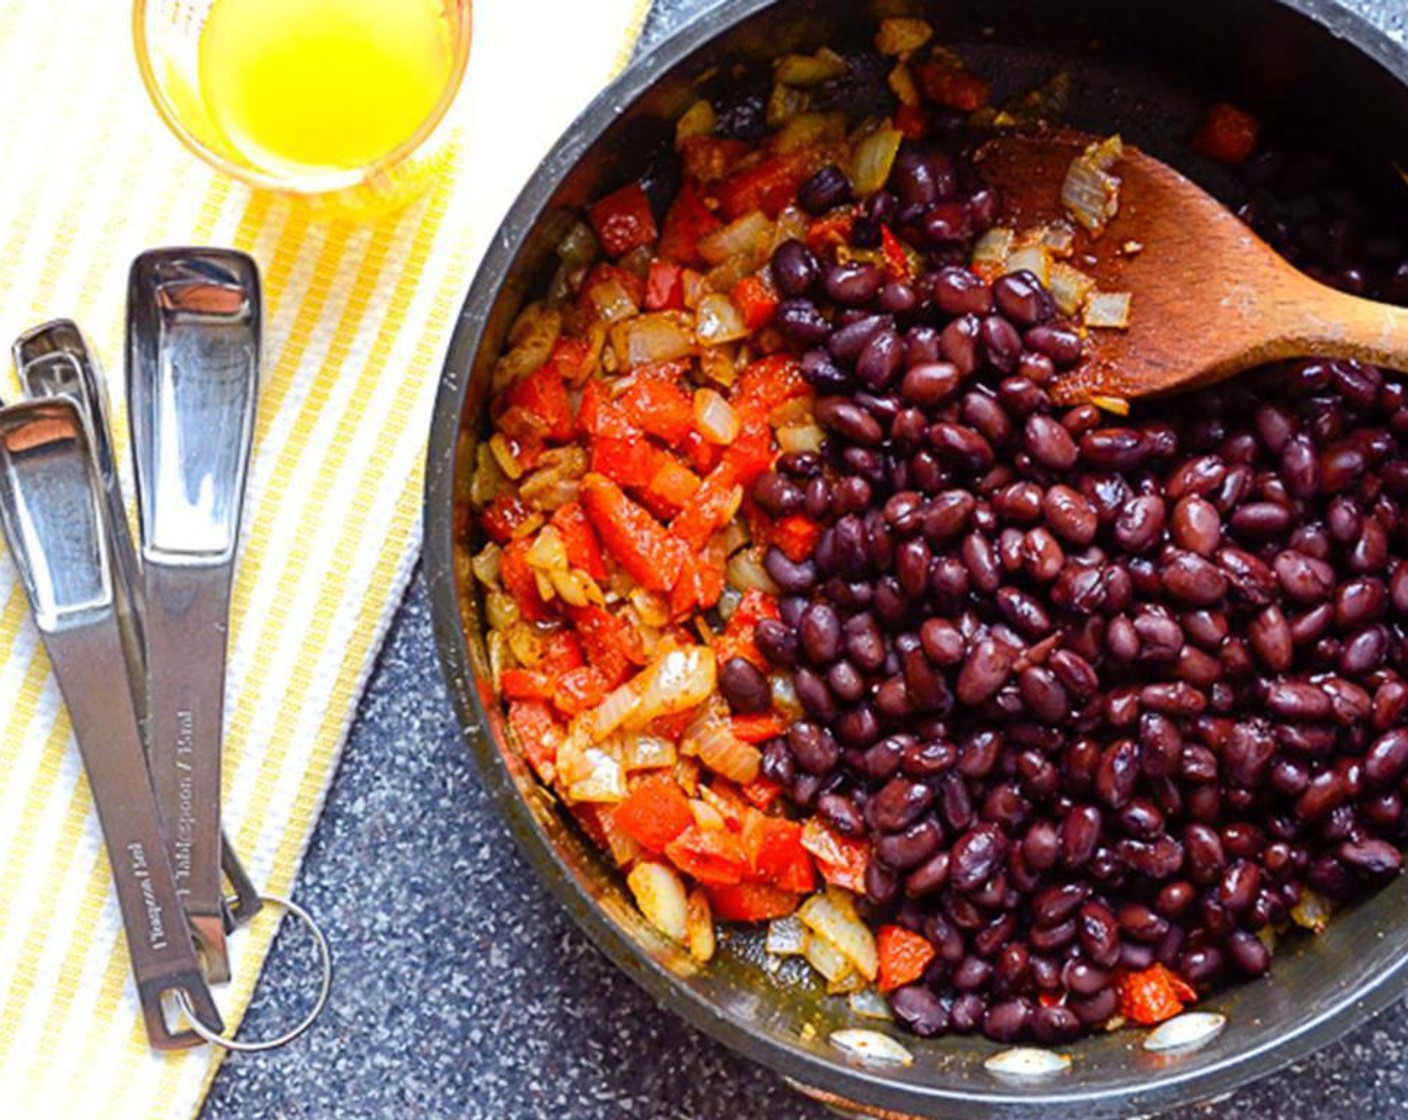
(318, 86)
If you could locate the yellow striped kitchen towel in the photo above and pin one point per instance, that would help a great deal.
(357, 321)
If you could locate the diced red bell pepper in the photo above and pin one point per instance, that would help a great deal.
(525, 684)
(706, 158)
(518, 580)
(631, 463)
(904, 955)
(841, 860)
(571, 357)
(952, 86)
(759, 728)
(686, 221)
(1227, 133)
(664, 287)
(504, 517)
(1152, 994)
(704, 514)
(713, 856)
(775, 853)
(538, 732)
(701, 582)
(561, 651)
(703, 455)
(579, 538)
(737, 638)
(752, 451)
(751, 902)
(580, 690)
(636, 541)
(671, 486)
(767, 185)
(542, 394)
(769, 382)
(911, 122)
(610, 643)
(654, 812)
(602, 271)
(795, 535)
(831, 229)
(897, 264)
(762, 793)
(756, 300)
(659, 404)
(623, 221)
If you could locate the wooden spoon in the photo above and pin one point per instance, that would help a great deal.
(1210, 298)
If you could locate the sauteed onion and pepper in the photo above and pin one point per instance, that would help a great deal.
(815, 610)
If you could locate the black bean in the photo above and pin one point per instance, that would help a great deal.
(1022, 299)
(801, 322)
(826, 188)
(814, 748)
(794, 268)
(959, 291)
(744, 687)
(918, 1009)
(853, 282)
(1049, 443)
(1008, 1021)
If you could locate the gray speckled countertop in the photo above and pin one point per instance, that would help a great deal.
(464, 991)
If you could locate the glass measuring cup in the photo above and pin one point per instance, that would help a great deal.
(334, 99)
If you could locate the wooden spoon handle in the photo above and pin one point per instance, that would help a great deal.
(1320, 320)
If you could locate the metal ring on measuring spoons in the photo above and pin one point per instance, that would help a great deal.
(324, 954)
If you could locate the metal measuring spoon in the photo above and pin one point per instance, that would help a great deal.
(193, 322)
(55, 522)
(54, 360)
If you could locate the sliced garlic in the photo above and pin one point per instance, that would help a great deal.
(1027, 1062)
(871, 1047)
(1186, 1031)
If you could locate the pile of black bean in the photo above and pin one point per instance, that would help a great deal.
(1099, 691)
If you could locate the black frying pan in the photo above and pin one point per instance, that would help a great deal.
(1143, 68)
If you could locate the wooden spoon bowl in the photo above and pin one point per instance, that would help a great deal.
(1210, 298)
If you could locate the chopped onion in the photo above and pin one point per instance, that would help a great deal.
(745, 571)
(784, 696)
(1312, 912)
(809, 69)
(611, 300)
(706, 816)
(903, 85)
(578, 246)
(808, 437)
(1060, 238)
(802, 130)
(749, 234)
(1090, 194)
(698, 120)
(652, 607)
(844, 985)
(901, 35)
(874, 156)
(606, 782)
(1116, 406)
(1108, 309)
(485, 564)
(505, 458)
(548, 552)
(488, 480)
(869, 1004)
(661, 336)
(784, 103)
(717, 421)
(826, 958)
(832, 917)
(723, 752)
(501, 610)
(647, 752)
(679, 680)
(699, 927)
(992, 249)
(719, 320)
(1035, 259)
(716, 364)
(786, 937)
(1070, 287)
(659, 892)
(525, 643)
(612, 712)
(531, 339)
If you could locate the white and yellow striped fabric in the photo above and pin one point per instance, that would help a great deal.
(357, 320)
